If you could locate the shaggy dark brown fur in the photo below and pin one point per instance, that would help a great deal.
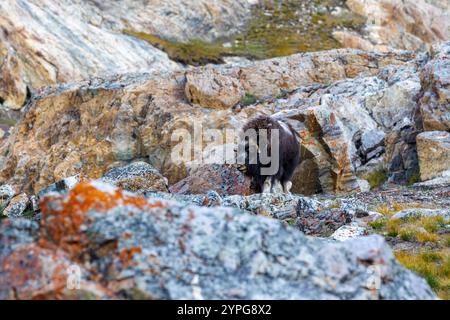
(289, 153)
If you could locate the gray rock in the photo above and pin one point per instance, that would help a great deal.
(15, 233)
(421, 212)
(60, 186)
(322, 223)
(348, 232)
(372, 139)
(188, 252)
(6, 193)
(139, 177)
(17, 206)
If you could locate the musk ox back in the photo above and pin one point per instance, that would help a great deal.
(272, 153)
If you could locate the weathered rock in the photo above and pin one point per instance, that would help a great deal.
(47, 42)
(422, 212)
(138, 177)
(6, 193)
(208, 86)
(229, 254)
(348, 232)
(223, 179)
(371, 140)
(61, 186)
(435, 79)
(211, 90)
(433, 148)
(397, 24)
(322, 223)
(182, 21)
(17, 206)
(401, 153)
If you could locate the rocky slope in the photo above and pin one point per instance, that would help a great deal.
(181, 251)
(91, 126)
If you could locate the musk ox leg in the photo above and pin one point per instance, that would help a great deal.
(287, 185)
(267, 186)
(276, 186)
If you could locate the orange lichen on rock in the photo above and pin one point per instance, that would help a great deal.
(35, 272)
(126, 255)
(63, 215)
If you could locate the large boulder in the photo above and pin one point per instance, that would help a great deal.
(167, 250)
(435, 102)
(433, 148)
(138, 177)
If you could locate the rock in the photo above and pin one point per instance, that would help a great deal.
(6, 193)
(349, 231)
(208, 86)
(65, 41)
(435, 102)
(63, 185)
(397, 24)
(433, 148)
(207, 20)
(138, 177)
(322, 223)
(401, 153)
(275, 205)
(371, 140)
(421, 212)
(223, 179)
(444, 179)
(32, 272)
(17, 206)
(375, 216)
(222, 93)
(229, 254)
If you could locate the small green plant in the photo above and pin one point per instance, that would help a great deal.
(377, 225)
(414, 179)
(248, 99)
(376, 178)
(407, 235)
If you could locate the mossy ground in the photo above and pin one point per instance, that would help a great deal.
(277, 28)
(428, 238)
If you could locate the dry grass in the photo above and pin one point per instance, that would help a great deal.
(434, 266)
(389, 209)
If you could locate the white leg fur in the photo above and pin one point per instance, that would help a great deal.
(267, 185)
(287, 187)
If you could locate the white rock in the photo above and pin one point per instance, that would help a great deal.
(349, 231)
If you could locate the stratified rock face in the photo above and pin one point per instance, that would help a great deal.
(89, 126)
(433, 148)
(435, 78)
(166, 250)
(209, 85)
(137, 177)
(398, 24)
(47, 42)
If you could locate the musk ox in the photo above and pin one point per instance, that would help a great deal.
(272, 152)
